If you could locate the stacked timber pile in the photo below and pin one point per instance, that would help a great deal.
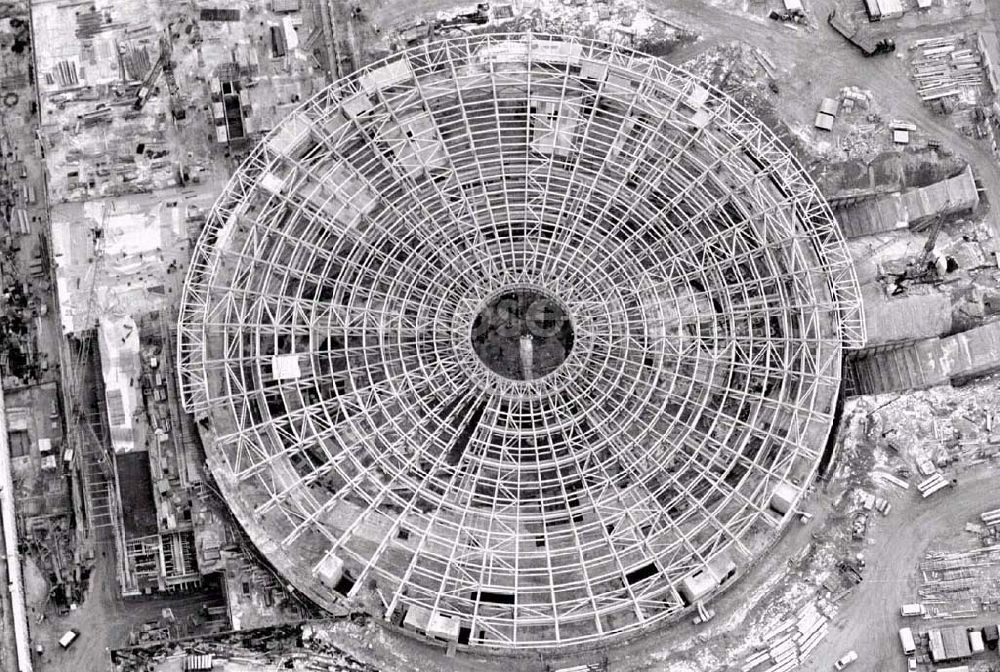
(990, 518)
(942, 68)
(959, 584)
(791, 642)
(932, 484)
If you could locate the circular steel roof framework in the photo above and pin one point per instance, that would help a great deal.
(588, 482)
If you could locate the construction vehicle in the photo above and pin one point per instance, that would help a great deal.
(850, 571)
(150, 81)
(67, 639)
(176, 106)
(845, 660)
(859, 37)
(163, 66)
(478, 17)
(785, 16)
(906, 640)
(927, 266)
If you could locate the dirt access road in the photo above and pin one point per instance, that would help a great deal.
(818, 62)
(869, 618)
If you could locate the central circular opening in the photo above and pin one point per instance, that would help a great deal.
(522, 334)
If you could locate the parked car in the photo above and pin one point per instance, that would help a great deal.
(67, 639)
(846, 660)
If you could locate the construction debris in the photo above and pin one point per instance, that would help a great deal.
(300, 647)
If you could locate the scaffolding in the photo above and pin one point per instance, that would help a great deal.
(366, 340)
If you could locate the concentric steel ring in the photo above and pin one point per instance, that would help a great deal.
(526, 341)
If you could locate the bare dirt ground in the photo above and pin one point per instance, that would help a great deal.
(99, 618)
(869, 619)
(818, 63)
(103, 619)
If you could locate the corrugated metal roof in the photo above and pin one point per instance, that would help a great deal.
(893, 211)
(952, 195)
(956, 641)
(824, 121)
(890, 8)
(971, 353)
(936, 645)
(893, 320)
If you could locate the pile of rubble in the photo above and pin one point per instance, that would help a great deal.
(853, 96)
(264, 649)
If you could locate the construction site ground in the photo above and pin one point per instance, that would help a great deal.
(811, 63)
(104, 619)
(814, 63)
(869, 620)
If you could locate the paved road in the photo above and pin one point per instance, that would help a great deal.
(8, 647)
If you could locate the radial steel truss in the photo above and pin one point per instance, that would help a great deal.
(370, 450)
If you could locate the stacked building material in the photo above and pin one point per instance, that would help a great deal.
(931, 485)
(942, 68)
(890, 478)
(990, 518)
(791, 642)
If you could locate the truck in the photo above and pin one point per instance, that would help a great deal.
(915, 609)
(67, 639)
(991, 636)
(906, 639)
(860, 38)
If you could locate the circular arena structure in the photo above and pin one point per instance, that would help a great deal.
(520, 341)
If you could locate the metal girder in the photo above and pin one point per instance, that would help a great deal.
(709, 294)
